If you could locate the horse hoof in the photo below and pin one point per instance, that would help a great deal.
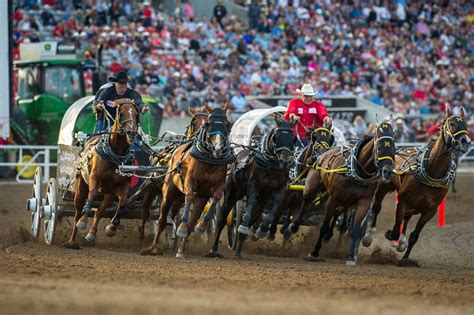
(72, 245)
(180, 232)
(213, 255)
(407, 262)
(388, 235)
(200, 228)
(243, 229)
(310, 257)
(90, 237)
(293, 228)
(260, 234)
(180, 255)
(351, 263)
(271, 237)
(81, 225)
(150, 251)
(110, 230)
(367, 240)
(402, 244)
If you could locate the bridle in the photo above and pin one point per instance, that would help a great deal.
(191, 130)
(320, 144)
(286, 147)
(388, 145)
(453, 138)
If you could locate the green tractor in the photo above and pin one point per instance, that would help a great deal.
(49, 79)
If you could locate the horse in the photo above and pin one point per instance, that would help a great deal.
(322, 138)
(422, 179)
(349, 176)
(262, 176)
(162, 158)
(199, 173)
(96, 172)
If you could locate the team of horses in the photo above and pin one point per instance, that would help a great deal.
(351, 181)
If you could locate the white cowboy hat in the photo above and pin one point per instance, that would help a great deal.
(306, 89)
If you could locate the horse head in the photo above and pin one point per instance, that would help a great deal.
(454, 131)
(217, 127)
(384, 149)
(198, 120)
(126, 121)
(282, 142)
(322, 138)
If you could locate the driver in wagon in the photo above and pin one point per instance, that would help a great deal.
(307, 113)
(107, 95)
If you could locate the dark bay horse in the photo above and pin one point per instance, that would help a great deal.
(262, 176)
(162, 158)
(201, 169)
(350, 178)
(96, 172)
(422, 180)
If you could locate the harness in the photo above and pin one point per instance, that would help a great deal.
(418, 167)
(266, 157)
(104, 150)
(202, 150)
(352, 166)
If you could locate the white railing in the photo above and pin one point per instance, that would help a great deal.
(40, 156)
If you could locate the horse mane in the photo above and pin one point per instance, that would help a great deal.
(124, 101)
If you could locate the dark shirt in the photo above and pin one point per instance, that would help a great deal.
(220, 11)
(108, 95)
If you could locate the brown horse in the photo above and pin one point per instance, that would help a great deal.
(200, 172)
(263, 177)
(322, 138)
(422, 180)
(350, 178)
(97, 172)
(162, 158)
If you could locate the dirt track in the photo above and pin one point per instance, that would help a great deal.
(112, 278)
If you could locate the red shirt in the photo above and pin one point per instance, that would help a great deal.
(316, 111)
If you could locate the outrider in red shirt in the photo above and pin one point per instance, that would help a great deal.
(308, 114)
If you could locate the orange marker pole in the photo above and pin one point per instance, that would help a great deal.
(441, 209)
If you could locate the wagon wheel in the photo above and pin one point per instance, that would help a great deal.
(34, 203)
(232, 233)
(50, 210)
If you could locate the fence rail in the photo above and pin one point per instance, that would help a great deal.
(25, 158)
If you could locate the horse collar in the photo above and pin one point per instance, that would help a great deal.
(421, 170)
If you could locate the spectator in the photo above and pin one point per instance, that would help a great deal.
(220, 12)
(360, 126)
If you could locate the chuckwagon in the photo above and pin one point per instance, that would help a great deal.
(58, 199)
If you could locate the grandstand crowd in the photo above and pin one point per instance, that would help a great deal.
(413, 57)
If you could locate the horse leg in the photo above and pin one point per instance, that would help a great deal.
(198, 207)
(330, 232)
(244, 227)
(255, 213)
(359, 226)
(202, 226)
(147, 202)
(108, 199)
(87, 210)
(394, 234)
(276, 220)
(111, 229)
(425, 217)
(330, 208)
(402, 242)
(182, 230)
(79, 200)
(375, 210)
(230, 198)
(263, 229)
(166, 204)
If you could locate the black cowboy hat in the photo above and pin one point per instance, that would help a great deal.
(120, 77)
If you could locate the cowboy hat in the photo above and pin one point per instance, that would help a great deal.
(120, 77)
(306, 89)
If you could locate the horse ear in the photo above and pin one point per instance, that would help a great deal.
(377, 119)
(226, 106)
(449, 112)
(191, 111)
(208, 108)
(461, 113)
